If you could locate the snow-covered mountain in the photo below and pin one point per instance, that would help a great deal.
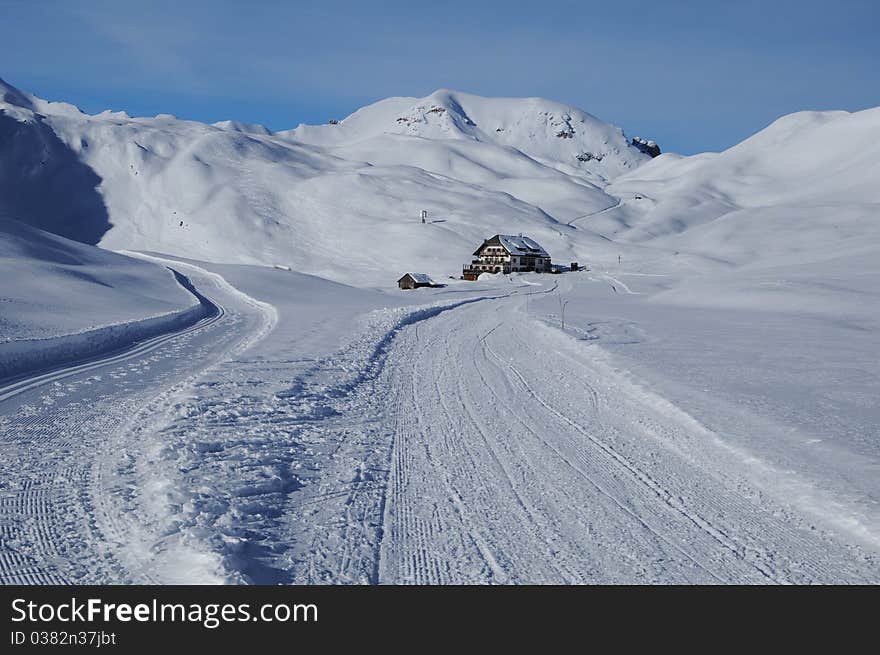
(513, 134)
(340, 200)
(703, 411)
(803, 189)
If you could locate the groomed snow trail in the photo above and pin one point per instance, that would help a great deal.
(469, 442)
(481, 445)
(56, 430)
(466, 441)
(522, 455)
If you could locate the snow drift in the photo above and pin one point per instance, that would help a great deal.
(63, 300)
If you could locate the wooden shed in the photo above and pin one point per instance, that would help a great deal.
(416, 281)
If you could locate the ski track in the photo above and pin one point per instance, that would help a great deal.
(594, 213)
(614, 281)
(512, 460)
(460, 442)
(56, 428)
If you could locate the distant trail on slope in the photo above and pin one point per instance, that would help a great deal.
(620, 283)
(600, 211)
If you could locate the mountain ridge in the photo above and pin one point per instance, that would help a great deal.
(237, 193)
(313, 196)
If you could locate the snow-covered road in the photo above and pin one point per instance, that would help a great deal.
(464, 441)
(57, 427)
(487, 446)
(520, 455)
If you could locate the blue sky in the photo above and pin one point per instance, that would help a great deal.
(692, 75)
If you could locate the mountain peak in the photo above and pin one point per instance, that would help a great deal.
(551, 133)
(438, 115)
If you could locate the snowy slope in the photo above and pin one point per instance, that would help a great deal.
(550, 155)
(802, 190)
(546, 132)
(707, 412)
(61, 300)
(51, 286)
(472, 441)
(339, 201)
(42, 180)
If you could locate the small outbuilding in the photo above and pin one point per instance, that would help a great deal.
(416, 281)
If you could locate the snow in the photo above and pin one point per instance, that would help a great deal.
(238, 194)
(58, 432)
(420, 278)
(707, 414)
(469, 440)
(62, 300)
(781, 380)
(521, 244)
(52, 286)
(528, 125)
(801, 190)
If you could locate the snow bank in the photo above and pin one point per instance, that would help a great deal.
(61, 300)
(23, 355)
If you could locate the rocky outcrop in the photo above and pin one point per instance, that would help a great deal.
(645, 146)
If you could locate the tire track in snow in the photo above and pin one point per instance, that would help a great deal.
(402, 538)
(481, 496)
(538, 436)
(122, 524)
(452, 433)
(739, 539)
(335, 527)
(462, 475)
(590, 479)
(644, 478)
(510, 462)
